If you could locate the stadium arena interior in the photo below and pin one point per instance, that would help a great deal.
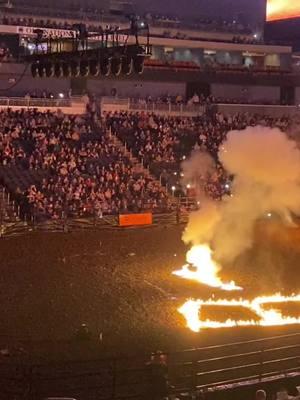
(149, 200)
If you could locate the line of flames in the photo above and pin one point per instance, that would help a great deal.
(191, 310)
(205, 270)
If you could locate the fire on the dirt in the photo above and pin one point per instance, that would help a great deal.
(191, 310)
(205, 270)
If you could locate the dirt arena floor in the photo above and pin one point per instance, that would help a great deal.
(119, 283)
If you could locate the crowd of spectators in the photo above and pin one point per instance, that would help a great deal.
(174, 27)
(5, 53)
(162, 143)
(78, 169)
(196, 100)
(95, 14)
(81, 171)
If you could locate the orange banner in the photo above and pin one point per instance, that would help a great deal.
(135, 219)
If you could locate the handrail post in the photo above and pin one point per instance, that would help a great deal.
(114, 379)
(261, 362)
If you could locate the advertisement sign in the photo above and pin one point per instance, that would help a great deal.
(282, 9)
(135, 219)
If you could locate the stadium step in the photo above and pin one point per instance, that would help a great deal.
(139, 167)
(8, 209)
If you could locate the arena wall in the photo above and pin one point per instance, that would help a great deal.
(135, 89)
(246, 93)
(297, 95)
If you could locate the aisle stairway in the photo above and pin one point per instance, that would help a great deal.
(139, 167)
(8, 209)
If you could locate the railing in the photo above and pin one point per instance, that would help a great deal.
(98, 16)
(262, 109)
(179, 109)
(118, 104)
(197, 370)
(34, 102)
(111, 104)
(16, 228)
(251, 361)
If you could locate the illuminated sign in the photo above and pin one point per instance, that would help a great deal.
(282, 9)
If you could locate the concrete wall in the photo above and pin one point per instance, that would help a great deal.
(272, 111)
(14, 86)
(135, 88)
(297, 95)
(246, 93)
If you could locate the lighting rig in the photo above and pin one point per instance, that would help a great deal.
(91, 54)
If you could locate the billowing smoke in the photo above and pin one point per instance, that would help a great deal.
(266, 168)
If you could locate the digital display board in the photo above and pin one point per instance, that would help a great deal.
(282, 9)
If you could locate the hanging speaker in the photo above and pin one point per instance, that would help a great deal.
(41, 70)
(105, 66)
(75, 69)
(84, 68)
(138, 64)
(34, 70)
(66, 67)
(58, 70)
(116, 66)
(94, 67)
(49, 69)
(127, 65)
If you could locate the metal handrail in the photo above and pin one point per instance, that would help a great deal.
(241, 343)
(248, 378)
(252, 353)
(116, 384)
(34, 102)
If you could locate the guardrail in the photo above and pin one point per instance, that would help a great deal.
(117, 104)
(111, 104)
(225, 365)
(34, 102)
(272, 110)
(16, 228)
(179, 109)
(201, 370)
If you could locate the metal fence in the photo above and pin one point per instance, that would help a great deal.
(111, 104)
(180, 109)
(192, 110)
(34, 102)
(16, 228)
(203, 370)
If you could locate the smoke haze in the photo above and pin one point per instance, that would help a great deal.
(266, 168)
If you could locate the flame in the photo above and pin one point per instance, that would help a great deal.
(205, 269)
(191, 310)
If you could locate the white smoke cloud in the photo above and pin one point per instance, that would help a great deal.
(197, 169)
(266, 168)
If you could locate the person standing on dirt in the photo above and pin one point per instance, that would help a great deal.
(158, 376)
